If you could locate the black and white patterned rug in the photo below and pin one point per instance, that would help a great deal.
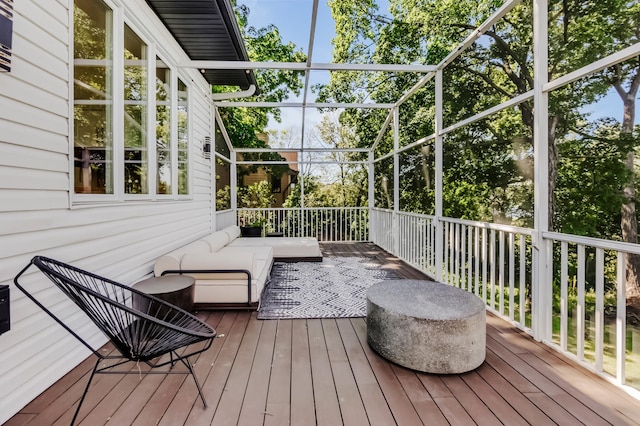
(334, 288)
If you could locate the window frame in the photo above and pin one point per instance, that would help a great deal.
(120, 19)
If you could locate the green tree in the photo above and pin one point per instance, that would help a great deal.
(245, 125)
(263, 44)
(349, 190)
(256, 196)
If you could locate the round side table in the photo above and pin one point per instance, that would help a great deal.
(175, 289)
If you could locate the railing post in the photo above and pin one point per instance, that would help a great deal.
(371, 188)
(301, 222)
(234, 184)
(212, 167)
(439, 248)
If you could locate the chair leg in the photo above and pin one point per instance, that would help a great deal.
(86, 389)
(190, 368)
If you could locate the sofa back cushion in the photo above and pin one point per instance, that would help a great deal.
(232, 231)
(171, 260)
(217, 240)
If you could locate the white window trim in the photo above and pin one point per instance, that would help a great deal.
(74, 198)
(120, 18)
(151, 105)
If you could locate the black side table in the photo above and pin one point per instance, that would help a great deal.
(175, 289)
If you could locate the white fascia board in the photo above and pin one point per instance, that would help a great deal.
(301, 105)
(302, 150)
(303, 66)
(298, 162)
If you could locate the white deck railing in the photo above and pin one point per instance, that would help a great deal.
(578, 305)
(324, 223)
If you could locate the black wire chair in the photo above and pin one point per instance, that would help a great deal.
(161, 329)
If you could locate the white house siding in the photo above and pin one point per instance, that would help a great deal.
(117, 240)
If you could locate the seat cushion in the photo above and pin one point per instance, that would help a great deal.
(222, 260)
(286, 247)
(231, 288)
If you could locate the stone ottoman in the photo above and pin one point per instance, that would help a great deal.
(426, 326)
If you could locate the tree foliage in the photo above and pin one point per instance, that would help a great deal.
(488, 165)
(263, 44)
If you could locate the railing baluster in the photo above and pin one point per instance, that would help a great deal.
(476, 255)
(484, 264)
(564, 304)
(501, 279)
(522, 287)
(621, 319)
(599, 308)
(512, 274)
(580, 308)
(492, 265)
(463, 256)
(470, 259)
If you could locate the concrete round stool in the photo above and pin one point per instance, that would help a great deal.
(426, 326)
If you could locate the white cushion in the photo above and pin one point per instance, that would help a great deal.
(232, 231)
(283, 247)
(229, 287)
(217, 240)
(223, 260)
(171, 260)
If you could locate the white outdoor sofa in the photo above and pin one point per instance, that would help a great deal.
(232, 271)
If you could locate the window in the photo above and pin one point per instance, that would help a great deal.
(163, 127)
(135, 114)
(276, 184)
(183, 138)
(116, 152)
(93, 98)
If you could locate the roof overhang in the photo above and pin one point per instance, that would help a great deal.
(207, 30)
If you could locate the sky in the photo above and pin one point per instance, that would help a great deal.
(293, 19)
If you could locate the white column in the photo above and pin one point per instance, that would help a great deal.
(301, 222)
(212, 164)
(396, 181)
(371, 187)
(541, 291)
(234, 183)
(438, 181)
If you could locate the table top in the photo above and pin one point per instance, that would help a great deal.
(424, 299)
(164, 284)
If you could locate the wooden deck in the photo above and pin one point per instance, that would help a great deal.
(306, 372)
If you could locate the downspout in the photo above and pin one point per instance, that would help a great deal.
(234, 95)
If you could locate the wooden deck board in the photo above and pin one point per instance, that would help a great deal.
(351, 404)
(373, 398)
(278, 400)
(253, 410)
(306, 372)
(325, 397)
(303, 410)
